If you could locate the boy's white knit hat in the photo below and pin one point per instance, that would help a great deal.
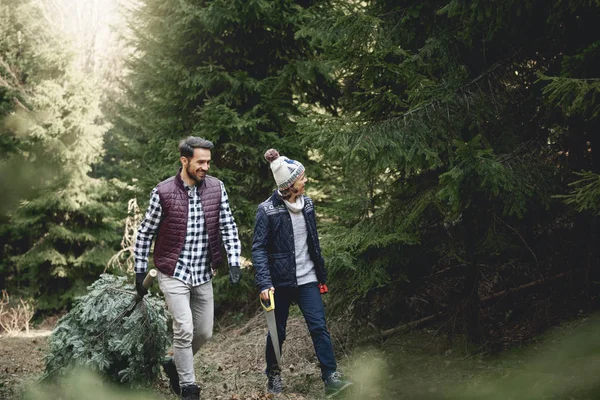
(285, 171)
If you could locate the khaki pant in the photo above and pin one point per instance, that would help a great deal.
(192, 309)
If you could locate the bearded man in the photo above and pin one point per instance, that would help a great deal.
(189, 216)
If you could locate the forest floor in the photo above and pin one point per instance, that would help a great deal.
(564, 363)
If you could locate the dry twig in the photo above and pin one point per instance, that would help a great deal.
(15, 318)
(124, 259)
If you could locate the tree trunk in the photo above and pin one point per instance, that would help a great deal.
(470, 293)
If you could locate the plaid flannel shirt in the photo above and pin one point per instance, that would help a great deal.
(193, 265)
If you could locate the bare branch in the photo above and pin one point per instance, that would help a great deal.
(15, 318)
(124, 259)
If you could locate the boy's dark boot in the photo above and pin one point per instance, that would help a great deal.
(274, 382)
(334, 384)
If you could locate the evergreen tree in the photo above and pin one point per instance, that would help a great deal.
(446, 141)
(26, 59)
(232, 72)
(59, 232)
(108, 332)
(68, 233)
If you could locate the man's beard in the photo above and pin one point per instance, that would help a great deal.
(193, 175)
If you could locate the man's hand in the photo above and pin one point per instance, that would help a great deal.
(265, 293)
(139, 284)
(235, 274)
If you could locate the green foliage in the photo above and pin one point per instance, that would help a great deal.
(227, 71)
(444, 145)
(85, 385)
(232, 72)
(59, 225)
(477, 169)
(433, 133)
(573, 96)
(72, 235)
(585, 195)
(63, 235)
(97, 334)
(29, 55)
(238, 298)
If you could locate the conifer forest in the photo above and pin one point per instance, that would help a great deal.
(451, 147)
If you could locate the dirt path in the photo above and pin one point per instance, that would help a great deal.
(232, 366)
(559, 365)
(21, 359)
(229, 367)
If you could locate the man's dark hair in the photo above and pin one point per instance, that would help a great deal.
(287, 193)
(187, 145)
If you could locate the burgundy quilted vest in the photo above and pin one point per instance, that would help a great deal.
(173, 226)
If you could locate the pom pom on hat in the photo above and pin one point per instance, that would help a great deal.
(271, 155)
(285, 171)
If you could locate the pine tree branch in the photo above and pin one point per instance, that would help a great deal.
(3, 82)
(521, 237)
(493, 68)
(20, 105)
(7, 67)
(557, 78)
(17, 83)
(463, 89)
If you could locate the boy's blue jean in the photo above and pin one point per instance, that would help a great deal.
(309, 300)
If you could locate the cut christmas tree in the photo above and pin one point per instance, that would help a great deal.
(109, 332)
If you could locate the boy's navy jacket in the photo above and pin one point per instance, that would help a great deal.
(273, 250)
